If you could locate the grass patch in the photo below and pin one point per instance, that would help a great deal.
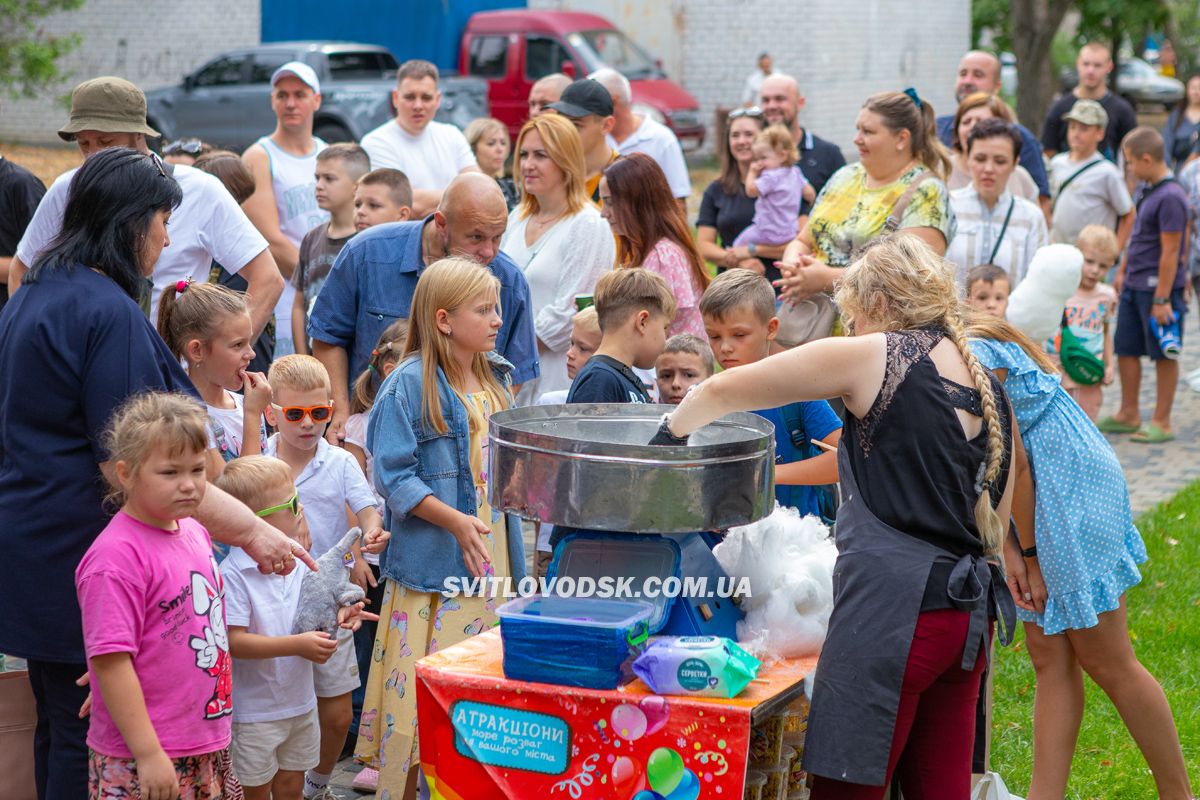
(1164, 623)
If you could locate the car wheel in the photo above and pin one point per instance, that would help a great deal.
(331, 132)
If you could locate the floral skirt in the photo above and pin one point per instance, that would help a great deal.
(203, 777)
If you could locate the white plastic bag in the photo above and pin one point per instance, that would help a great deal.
(991, 787)
(789, 563)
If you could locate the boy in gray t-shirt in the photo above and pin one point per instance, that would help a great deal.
(1087, 188)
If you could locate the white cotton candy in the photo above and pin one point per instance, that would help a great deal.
(1036, 305)
(789, 563)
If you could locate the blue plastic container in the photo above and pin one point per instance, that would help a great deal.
(571, 641)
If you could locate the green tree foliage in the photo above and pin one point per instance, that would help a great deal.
(30, 57)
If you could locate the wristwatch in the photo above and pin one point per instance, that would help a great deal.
(1029, 552)
(1161, 301)
(752, 249)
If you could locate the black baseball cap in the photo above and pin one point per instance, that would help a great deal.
(584, 98)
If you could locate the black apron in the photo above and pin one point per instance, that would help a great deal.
(878, 585)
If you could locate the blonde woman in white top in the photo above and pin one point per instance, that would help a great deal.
(558, 239)
(994, 225)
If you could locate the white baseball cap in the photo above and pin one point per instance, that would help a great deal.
(298, 69)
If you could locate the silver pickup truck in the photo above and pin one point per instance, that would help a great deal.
(227, 102)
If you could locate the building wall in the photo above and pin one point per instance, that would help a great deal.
(841, 51)
(149, 44)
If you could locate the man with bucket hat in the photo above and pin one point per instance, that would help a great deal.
(208, 225)
(284, 165)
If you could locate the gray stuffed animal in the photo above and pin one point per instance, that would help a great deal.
(324, 592)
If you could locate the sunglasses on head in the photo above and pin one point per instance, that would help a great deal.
(190, 146)
(296, 413)
(753, 111)
(293, 505)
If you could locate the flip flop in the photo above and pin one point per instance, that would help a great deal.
(1114, 425)
(1152, 434)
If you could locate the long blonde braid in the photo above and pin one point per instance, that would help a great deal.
(991, 527)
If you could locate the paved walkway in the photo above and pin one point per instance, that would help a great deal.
(1154, 472)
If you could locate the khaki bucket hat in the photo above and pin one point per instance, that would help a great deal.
(107, 104)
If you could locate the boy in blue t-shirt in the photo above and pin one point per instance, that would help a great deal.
(1150, 282)
(634, 308)
(739, 316)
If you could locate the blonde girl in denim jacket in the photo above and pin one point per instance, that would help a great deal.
(428, 435)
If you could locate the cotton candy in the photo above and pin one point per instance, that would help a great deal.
(1036, 305)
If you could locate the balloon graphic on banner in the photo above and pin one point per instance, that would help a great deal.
(647, 794)
(629, 722)
(665, 770)
(627, 777)
(688, 788)
(656, 712)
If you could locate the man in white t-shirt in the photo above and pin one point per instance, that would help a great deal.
(284, 165)
(637, 133)
(208, 225)
(430, 153)
(755, 81)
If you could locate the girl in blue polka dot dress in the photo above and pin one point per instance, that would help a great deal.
(1069, 586)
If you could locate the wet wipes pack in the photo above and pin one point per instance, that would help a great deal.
(696, 666)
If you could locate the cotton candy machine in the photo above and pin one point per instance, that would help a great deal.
(637, 511)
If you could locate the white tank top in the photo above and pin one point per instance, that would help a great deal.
(293, 179)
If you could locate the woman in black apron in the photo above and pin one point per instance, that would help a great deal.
(924, 472)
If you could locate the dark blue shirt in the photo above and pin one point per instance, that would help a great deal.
(371, 286)
(817, 420)
(1161, 209)
(74, 347)
(606, 380)
(1030, 157)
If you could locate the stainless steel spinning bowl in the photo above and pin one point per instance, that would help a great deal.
(588, 466)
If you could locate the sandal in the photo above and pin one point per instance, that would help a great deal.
(1114, 425)
(367, 780)
(1152, 434)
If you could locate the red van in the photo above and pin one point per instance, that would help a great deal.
(512, 49)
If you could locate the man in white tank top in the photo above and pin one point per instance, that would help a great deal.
(284, 204)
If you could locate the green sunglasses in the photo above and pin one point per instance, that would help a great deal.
(293, 505)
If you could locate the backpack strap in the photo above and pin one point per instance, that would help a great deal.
(892, 223)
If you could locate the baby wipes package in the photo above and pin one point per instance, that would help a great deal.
(697, 666)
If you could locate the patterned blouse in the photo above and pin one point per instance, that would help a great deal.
(847, 214)
(672, 264)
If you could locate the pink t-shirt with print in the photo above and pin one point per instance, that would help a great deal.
(158, 596)
(671, 263)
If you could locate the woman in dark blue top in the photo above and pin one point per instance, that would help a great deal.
(74, 345)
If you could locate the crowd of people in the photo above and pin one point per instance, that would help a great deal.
(244, 356)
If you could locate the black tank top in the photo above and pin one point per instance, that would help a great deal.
(915, 468)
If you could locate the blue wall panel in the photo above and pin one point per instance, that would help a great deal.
(409, 28)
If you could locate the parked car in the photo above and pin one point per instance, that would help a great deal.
(1137, 82)
(227, 101)
(512, 49)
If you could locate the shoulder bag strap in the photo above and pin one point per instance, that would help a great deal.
(892, 224)
(1071, 178)
(1003, 230)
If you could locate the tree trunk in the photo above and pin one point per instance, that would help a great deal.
(1034, 24)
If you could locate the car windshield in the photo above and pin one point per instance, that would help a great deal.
(1137, 68)
(611, 48)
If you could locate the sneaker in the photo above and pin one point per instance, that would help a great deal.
(324, 794)
(367, 780)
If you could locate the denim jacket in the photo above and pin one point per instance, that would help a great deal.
(413, 461)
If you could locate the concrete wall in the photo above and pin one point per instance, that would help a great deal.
(841, 51)
(149, 44)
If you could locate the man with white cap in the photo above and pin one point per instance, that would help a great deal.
(284, 204)
(208, 225)
(430, 153)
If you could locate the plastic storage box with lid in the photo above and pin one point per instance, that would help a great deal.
(571, 641)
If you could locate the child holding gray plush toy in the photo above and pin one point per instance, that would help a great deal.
(279, 627)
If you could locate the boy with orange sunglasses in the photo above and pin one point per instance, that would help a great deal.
(328, 481)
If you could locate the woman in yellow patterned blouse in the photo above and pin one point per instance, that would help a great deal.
(901, 171)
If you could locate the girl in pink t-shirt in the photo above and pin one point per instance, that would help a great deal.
(154, 617)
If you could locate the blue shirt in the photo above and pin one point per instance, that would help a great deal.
(1162, 208)
(605, 380)
(818, 421)
(1030, 157)
(371, 286)
(74, 348)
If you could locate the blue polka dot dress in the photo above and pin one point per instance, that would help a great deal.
(1088, 547)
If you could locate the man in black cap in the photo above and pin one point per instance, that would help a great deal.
(588, 105)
